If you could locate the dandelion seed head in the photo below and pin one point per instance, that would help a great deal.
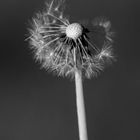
(63, 47)
(74, 30)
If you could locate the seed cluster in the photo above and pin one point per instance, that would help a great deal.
(63, 47)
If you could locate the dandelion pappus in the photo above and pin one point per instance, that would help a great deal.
(62, 46)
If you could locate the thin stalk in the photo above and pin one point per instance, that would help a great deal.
(80, 106)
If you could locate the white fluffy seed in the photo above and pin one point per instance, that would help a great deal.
(74, 30)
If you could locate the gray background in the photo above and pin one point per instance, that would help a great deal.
(35, 105)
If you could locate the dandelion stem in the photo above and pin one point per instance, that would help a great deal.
(80, 106)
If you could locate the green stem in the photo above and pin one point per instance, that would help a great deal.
(80, 106)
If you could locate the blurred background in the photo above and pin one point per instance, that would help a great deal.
(37, 105)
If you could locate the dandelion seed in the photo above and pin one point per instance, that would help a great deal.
(67, 49)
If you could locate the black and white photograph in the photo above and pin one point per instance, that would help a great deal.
(69, 70)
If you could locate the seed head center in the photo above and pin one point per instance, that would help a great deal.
(74, 30)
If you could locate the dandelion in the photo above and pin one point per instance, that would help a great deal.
(66, 49)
